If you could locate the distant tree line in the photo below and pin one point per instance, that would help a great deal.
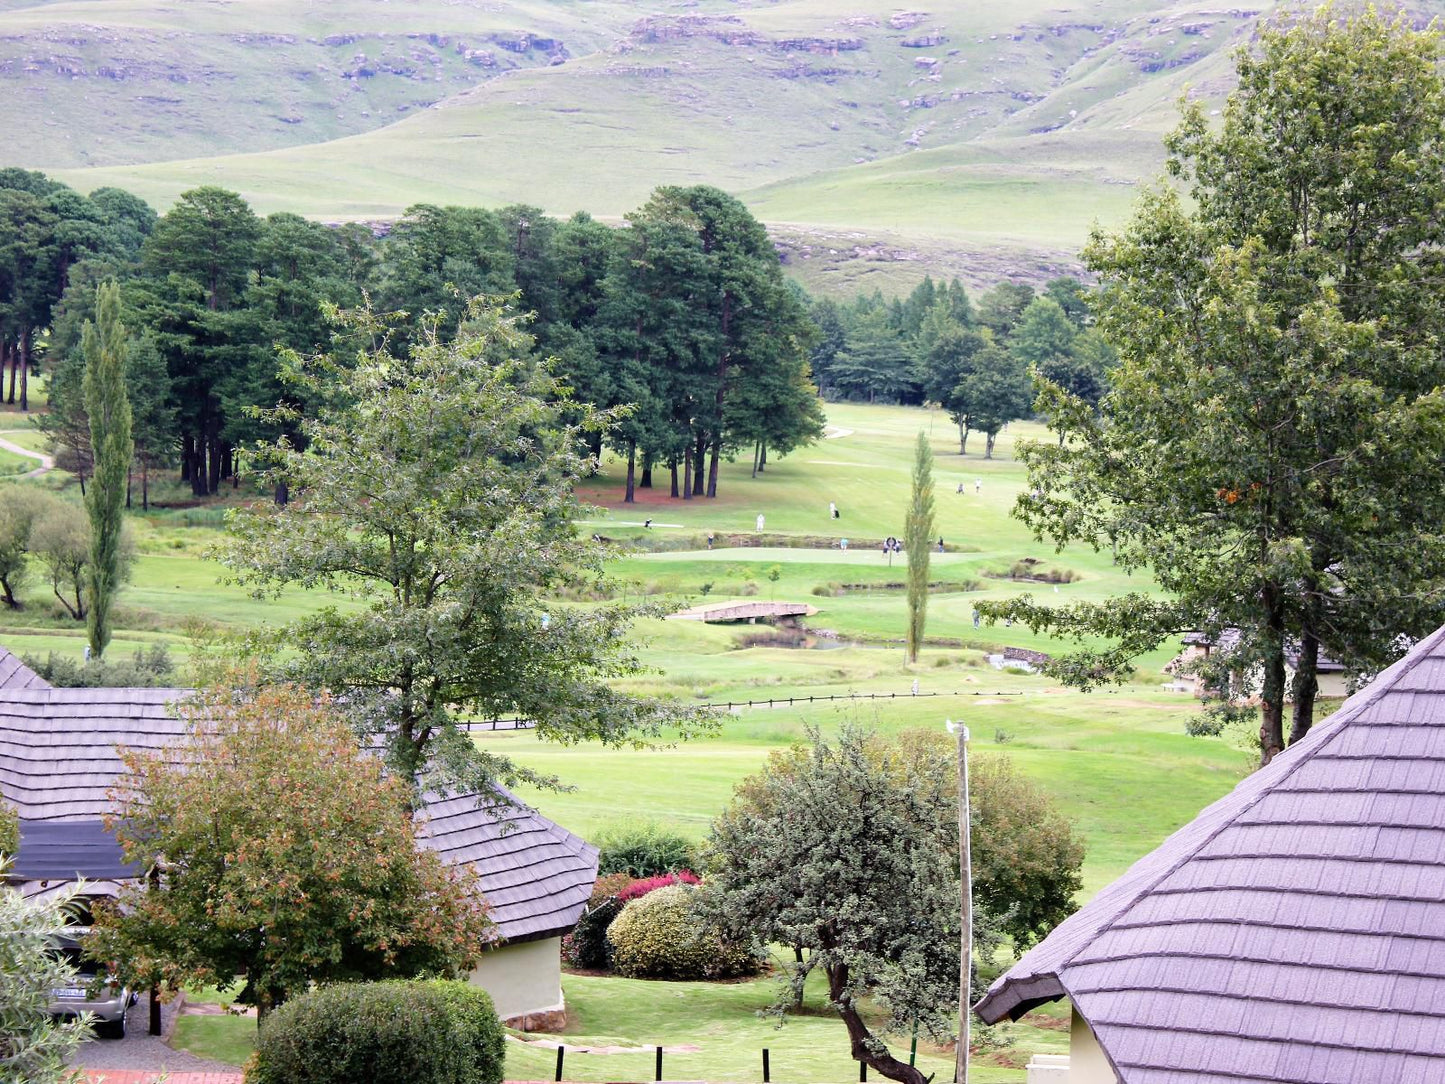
(978, 362)
(684, 316)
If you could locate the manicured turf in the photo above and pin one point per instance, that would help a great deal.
(709, 1031)
(1118, 762)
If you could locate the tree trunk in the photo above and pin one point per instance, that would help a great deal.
(199, 448)
(719, 399)
(594, 449)
(128, 473)
(672, 466)
(687, 473)
(963, 432)
(283, 494)
(25, 350)
(9, 594)
(989, 438)
(74, 612)
(213, 474)
(14, 366)
(630, 497)
(188, 449)
(1306, 687)
(1271, 708)
(699, 464)
(763, 458)
(860, 1038)
(757, 450)
(145, 488)
(646, 482)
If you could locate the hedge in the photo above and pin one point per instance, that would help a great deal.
(432, 1032)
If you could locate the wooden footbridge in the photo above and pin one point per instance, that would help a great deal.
(745, 611)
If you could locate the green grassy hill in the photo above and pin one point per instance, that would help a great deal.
(882, 143)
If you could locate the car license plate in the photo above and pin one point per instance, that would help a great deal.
(67, 991)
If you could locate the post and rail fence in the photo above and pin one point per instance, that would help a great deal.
(518, 723)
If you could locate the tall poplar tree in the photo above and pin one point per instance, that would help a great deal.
(918, 541)
(104, 344)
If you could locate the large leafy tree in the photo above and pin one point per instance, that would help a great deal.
(106, 346)
(1273, 439)
(875, 361)
(197, 264)
(283, 853)
(848, 849)
(746, 328)
(656, 343)
(438, 487)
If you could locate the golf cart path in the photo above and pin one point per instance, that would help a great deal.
(47, 463)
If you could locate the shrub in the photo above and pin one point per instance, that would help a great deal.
(420, 1032)
(148, 667)
(586, 945)
(641, 887)
(662, 935)
(9, 833)
(644, 850)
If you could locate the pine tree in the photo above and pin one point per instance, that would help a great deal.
(104, 345)
(918, 540)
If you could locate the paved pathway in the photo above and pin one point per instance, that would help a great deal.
(46, 462)
(140, 1058)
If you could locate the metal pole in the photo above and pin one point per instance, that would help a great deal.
(560, 1049)
(965, 934)
(767, 1069)
(659, 1063)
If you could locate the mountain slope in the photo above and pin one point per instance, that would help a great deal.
(925, 138)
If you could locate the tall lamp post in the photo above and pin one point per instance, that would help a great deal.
(965, 892)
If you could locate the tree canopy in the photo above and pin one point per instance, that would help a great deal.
(1271, 444)
(846, 849)
(437, 488)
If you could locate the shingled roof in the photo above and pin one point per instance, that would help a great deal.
(59, 760)
(1295, 930)
(14, 674)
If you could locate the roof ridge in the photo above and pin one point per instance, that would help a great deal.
(19, 676)
(1327, 732)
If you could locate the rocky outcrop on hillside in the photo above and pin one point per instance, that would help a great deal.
(732, 30)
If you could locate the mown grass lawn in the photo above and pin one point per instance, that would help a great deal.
(713, 1031)
(1118, 762)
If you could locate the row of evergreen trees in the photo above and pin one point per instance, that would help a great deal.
(935, 345)
(684, 315)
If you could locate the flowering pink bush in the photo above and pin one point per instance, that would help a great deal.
(642, 887)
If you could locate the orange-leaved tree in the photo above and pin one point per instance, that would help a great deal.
(280, 855)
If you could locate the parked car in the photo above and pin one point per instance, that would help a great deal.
(107, 1005)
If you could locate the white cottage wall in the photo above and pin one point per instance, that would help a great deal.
(523, 979)
(1087, 1062)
